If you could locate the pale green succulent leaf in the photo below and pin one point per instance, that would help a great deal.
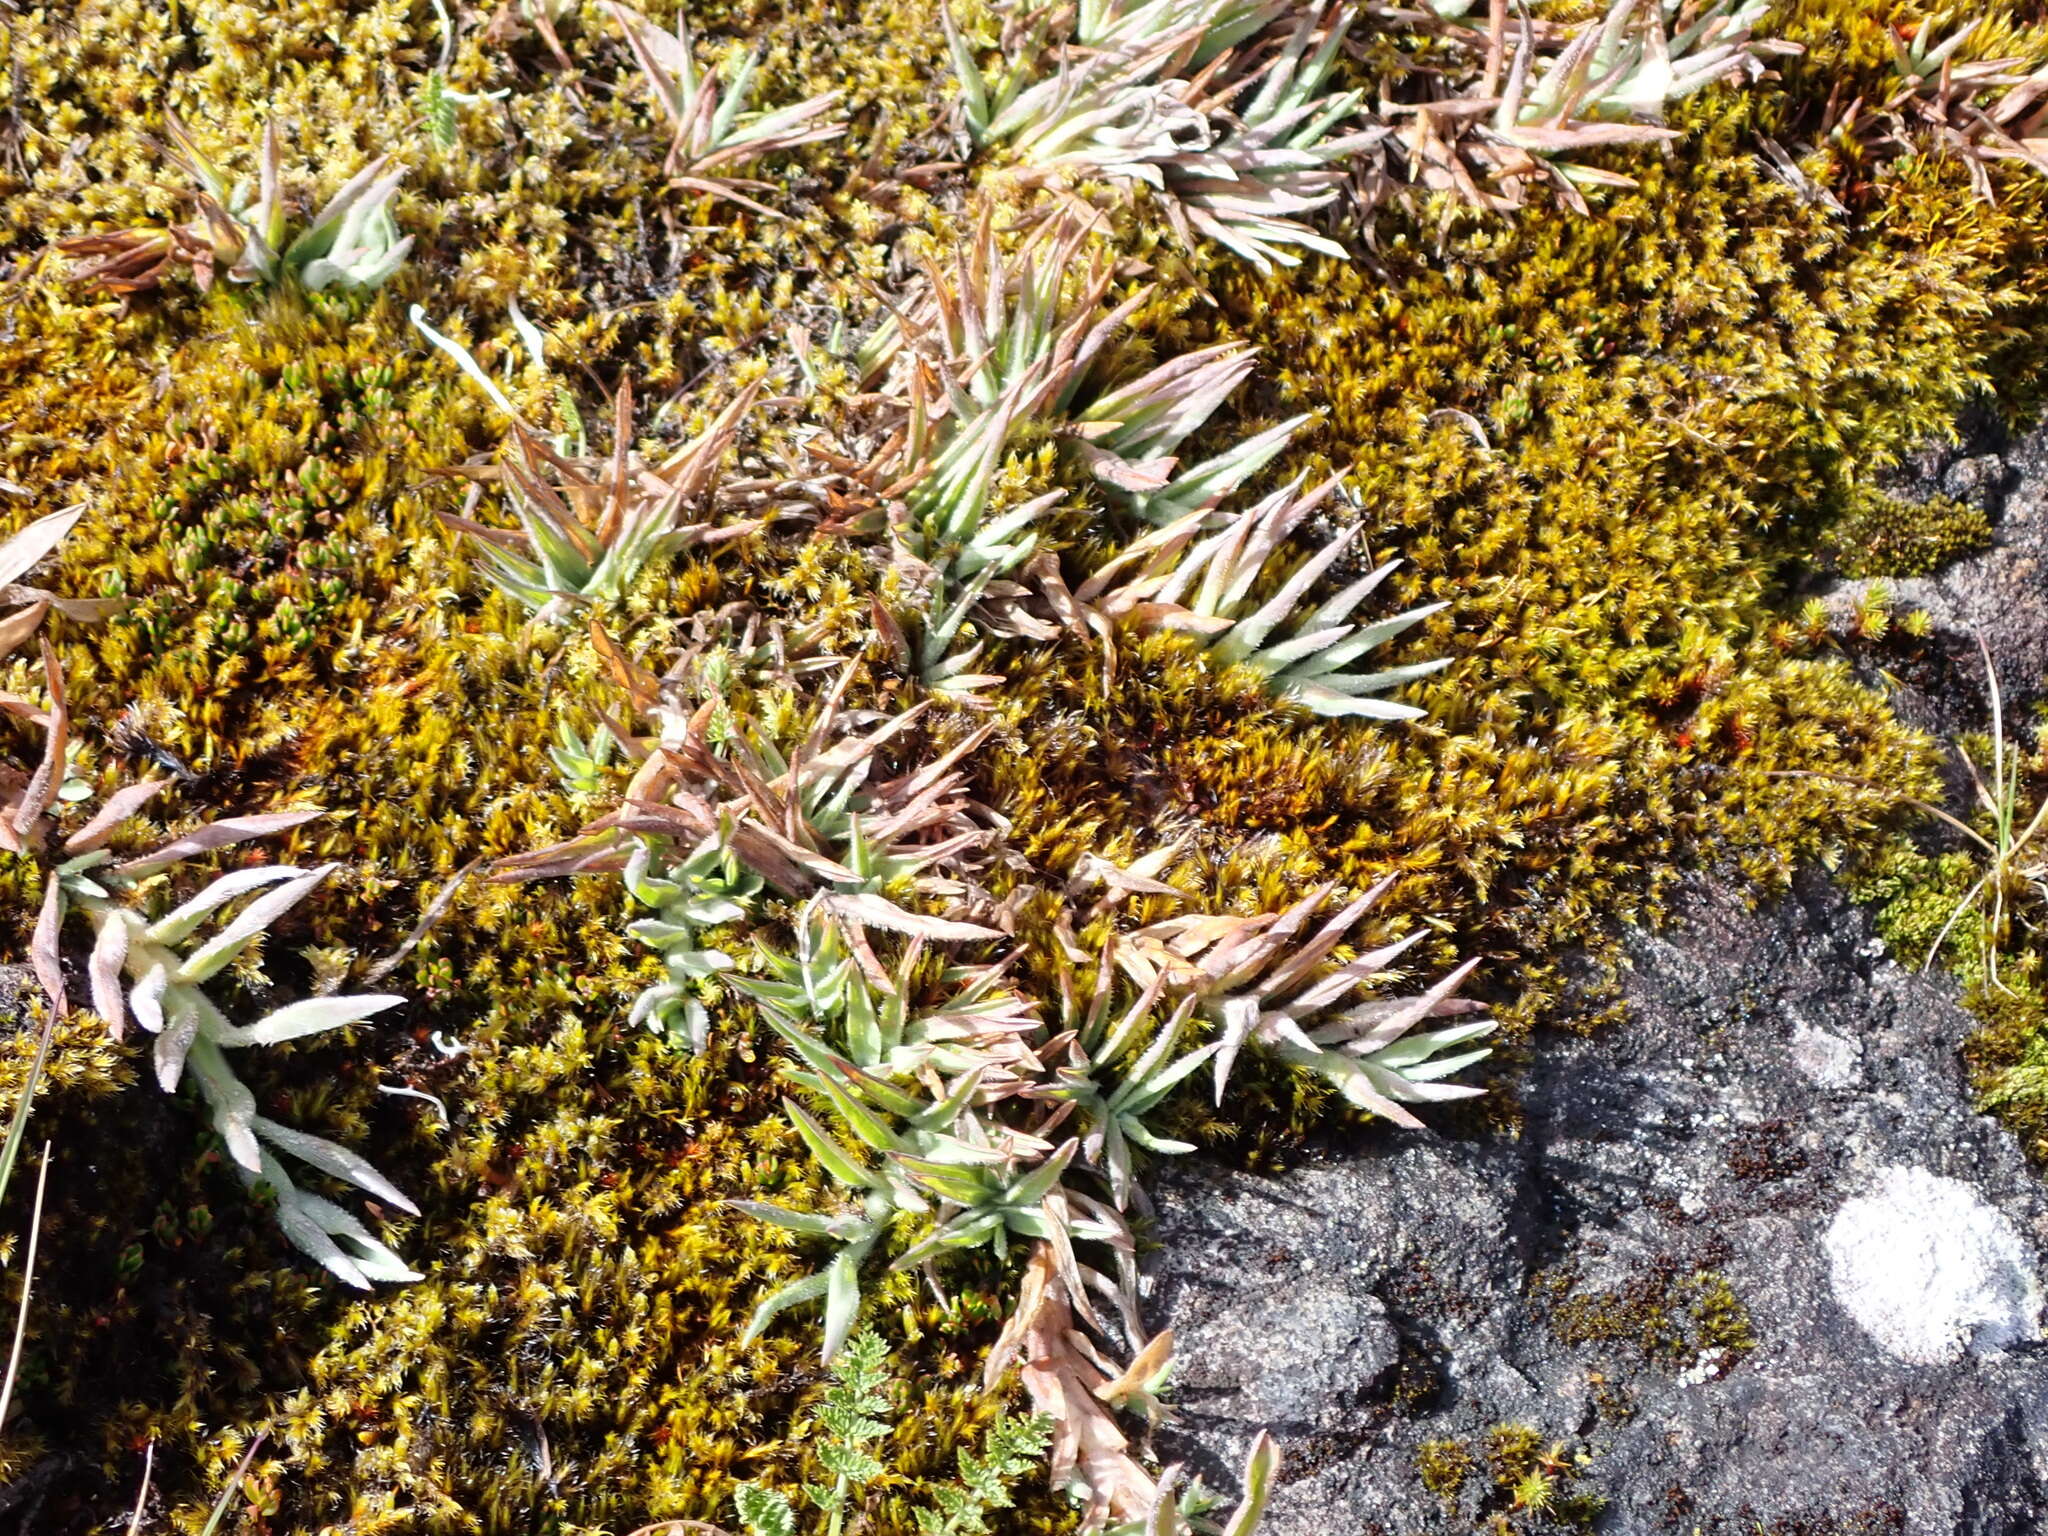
(253, 920)
(794, 1294)
(182, 922)
(1261, 1466)
(311, 1016)
(836, 1160)
(333, 1159)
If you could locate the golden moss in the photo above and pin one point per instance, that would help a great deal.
(1525, 1482)
(1600, 440)
(1880, 535)
(1443, 1466)
(1664, 1314)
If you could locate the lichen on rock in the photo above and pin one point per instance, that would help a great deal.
(1929, 1270)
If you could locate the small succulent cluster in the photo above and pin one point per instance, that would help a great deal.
(352, 243)
(1553, 93)
(948, 1105)
(1981, 109)
(166, 960)
(155, 967)
(1202, 582)
(991, 350)
(1219, 105)
(1258, 979)
(953, 1107)
(996, 352)
(713, 130)
(589, 524)
(1229, 110)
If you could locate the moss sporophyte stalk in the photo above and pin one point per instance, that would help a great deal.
(895, 612)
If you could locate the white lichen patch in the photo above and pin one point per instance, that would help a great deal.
(1928, 1269)
(1823, 1059)
(1712, 1365)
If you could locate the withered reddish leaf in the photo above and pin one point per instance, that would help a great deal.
(43, 947)
(1063, 1382)
(17, 627)
(48, 778)
(217, 834)
(121, 804)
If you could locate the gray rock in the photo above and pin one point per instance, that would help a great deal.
(1994, 593)
(1286, 1357)
(1645, 1274)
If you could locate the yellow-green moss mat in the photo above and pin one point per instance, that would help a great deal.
(1659, 406)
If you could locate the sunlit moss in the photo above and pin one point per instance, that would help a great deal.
(1602, 441)
(1880, 535)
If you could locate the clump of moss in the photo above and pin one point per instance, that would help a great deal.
(2008, 1057)
(1537, 1480)
(1721, 1318)
(1913, 894)
(1667, 1313)
(1878, 534)
(1526, 1483)
(1602, 710)
(1443, 1466)
(1932, 905)
(82, 1063)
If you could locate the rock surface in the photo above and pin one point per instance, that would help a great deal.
(1646, 1274)
(1994, 594)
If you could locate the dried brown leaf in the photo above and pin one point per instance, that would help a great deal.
(1089, 1452)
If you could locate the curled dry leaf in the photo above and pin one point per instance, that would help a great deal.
(1065, 1380)
(43, 953)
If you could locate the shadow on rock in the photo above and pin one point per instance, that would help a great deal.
(1754, 1264)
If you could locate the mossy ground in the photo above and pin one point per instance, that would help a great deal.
(1882, 536)
(1915, 892)
(1599, 439)
(1512, 1482)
